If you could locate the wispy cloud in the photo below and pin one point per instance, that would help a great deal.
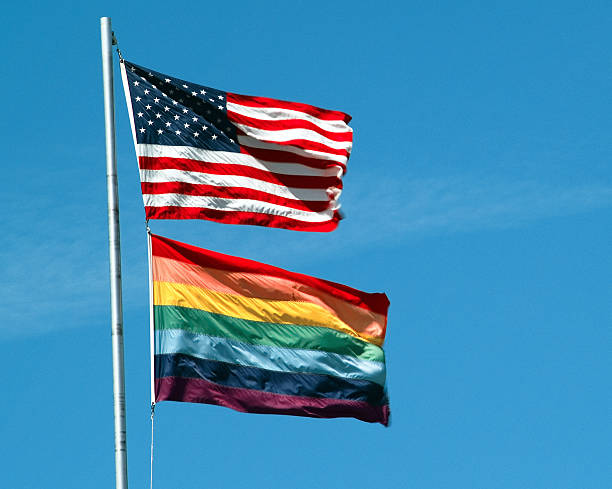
(55, 272)
(422, 207)
(393, 212)
(49, 276)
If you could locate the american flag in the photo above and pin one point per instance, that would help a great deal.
(208, 154)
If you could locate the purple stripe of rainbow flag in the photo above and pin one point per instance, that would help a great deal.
(256, 338)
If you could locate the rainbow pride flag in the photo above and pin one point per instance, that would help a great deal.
(259, 339)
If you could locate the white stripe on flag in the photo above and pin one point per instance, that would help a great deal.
(284, 135)
(276, 113)
(197, 178)
(229, 158)
(229, 205)
(309, 153)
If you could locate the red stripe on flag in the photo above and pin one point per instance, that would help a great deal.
(282, 124)
(183, 164)
(329, 115)
(231, 193)
(186, 253)
(303, 144)
(310, 145)
(279, 156)
(238, 217)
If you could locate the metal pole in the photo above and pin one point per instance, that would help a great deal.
(115, 256)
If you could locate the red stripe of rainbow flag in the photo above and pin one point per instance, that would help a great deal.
(256, 338)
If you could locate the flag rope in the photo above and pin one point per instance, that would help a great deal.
(151, 339)
(152, 433)
(115, 43)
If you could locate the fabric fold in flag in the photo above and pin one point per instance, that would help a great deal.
(256, 338)
(208, 154)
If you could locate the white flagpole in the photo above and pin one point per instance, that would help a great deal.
(115, 257)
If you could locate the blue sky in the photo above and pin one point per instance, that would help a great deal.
(478, 197)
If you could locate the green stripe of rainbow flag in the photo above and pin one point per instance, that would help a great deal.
(257, 338)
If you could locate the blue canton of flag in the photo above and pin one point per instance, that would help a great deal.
(178, 113)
